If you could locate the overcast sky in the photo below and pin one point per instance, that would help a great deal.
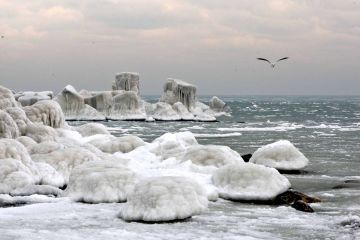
(213, 44)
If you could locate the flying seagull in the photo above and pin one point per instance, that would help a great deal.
(272, 63)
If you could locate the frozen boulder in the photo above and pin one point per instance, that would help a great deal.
(122, 144)
(20, 118)
(176, 90)
(161, 199)
(127, 81)
(36, 189)
(182, 111)
(47, 112)
(282, 155)
(64, 160)
(49, 176)
(28, 98)
(10, 148)
(172, 144)
(14, 174)
(8, 127)
(211, 155)
(7, 98)
(100, 181)
(163, 112)
(39, 132)
(90, 129)
(45, 147)
(74, 107)
(249, 182)
(101, 101)
(27, 142)
(218, 105)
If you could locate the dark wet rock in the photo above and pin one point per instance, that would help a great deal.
(351, 183)
(162, 222)
(292, 171)
(302, 206)
(246, 157)
(291, 196)
(353, 222)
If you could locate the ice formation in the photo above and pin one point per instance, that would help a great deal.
(162, 199)
(250, 182)
(127, 81)
(28, 98)
(211, 155)
(8, 127)
(122, 144)
(90, 129)
(282, 155)
(39, 132)
(74, 107)
(7, 98)
(127, 105)
(218, 105)
(176, 90)
(20, 118)
(47, 112)
(36, 189)
(100, 181)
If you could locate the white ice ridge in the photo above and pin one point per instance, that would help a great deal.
(282, 155)
(100, 181)
(162, 199)
(28, 98)
(248, 181)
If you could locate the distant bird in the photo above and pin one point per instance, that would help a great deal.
(272, 63)
(2, 36)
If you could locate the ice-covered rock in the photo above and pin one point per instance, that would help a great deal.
(28, 98)
(100, 181)
(90, 129)
(74, 107)
(36, 189)
(7, 98)
(163, 112)
(101, 101)
(47, 112)
(172, 144)
(249, 182)
(211, 155)
(45, 147)
(162, 199)
(27, 142)
(10, 148)
(176, 90)
(127, 105)
(182, 111)
(217, 105)
(8, 127)
(64, 160)
(20, 118)
(49, 175)
(14, 174)
(282, 155)
(39, 132)
(122, 144)
(127, 81)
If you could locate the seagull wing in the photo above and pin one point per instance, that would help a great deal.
(282, 59)
(264, 59)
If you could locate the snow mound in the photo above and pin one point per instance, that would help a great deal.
(28, 98)
(250, 182)
(211, 155)
(36, 189)
(6, 98)
(20, 118)
(172, 144)
(282, 155)
(90, 129)
(47, 112)
(8, 127)
(49, 175)
(122, 144)
(162, 199)
(27, 142)
(100, 181)
(45, 147)
(39, 132)
(14, 174)
(162, 111)
(64, 160)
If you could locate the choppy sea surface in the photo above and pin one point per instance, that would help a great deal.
(325, 129)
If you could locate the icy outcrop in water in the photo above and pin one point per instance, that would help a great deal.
(162, 111)
(7, 98)
(162, 199)
(74, 107)
(28, 98)
(100, 181)
(47, 112)
(248, 181)
(8, 127)
(127, 81)
(211, 155)
(127, 105)
(90, 129)
(218, 106)
(176, 90)
(282, 155)
(101, 101)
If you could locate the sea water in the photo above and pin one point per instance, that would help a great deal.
(325, 129)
